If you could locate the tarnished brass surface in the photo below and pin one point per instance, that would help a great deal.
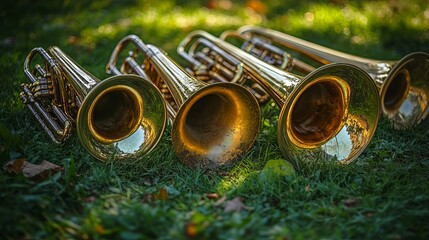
(120, 117)
(403, 84)
(212, 124)
(330, 114)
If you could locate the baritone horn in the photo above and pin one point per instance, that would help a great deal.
(212, 124)
(403, 85)
(330, 114)
(120, 117)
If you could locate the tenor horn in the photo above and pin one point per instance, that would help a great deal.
(120, 117)
(403, 84)
(330, 114)
(212, 124)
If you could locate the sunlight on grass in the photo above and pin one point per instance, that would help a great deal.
(163, 22)
(347, 21)
(383, 194)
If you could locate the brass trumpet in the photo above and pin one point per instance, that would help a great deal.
(403, 85)
(213, 124)
(121, 117)
(207, 66)
(330, 114)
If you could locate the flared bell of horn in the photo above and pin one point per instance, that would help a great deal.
(330, 114)
(404, 93)
(403, 85)
(214, 124)
(120, 117)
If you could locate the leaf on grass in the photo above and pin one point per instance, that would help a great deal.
(350, 202)
(191, 230)
(32, 171)
(89, 199)
(212, 195)
(162, 194)
(369, 214)
(14, 166)
(235, 205)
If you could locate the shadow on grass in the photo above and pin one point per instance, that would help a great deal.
(91, 198)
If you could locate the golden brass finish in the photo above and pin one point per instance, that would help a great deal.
(318, 111)
(403, 85)
(111, 116)
(127, 108)
(324, 115)
(212, 64)
(213, 124)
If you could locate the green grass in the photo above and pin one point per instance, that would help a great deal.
(384, 194)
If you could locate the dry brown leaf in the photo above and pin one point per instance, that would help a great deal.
(350, 202)
(191, 230)
(89, 199)
(30, 170)
(14, 166)
(161, 195)
(369, 214)
(235, 205)
(212, 195)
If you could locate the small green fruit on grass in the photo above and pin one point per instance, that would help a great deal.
(277, 168)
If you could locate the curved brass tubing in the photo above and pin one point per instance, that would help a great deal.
(403, 85)
(213, 124)
(330, 114)
(120, 117)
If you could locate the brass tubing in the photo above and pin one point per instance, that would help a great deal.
(111, 117)
(214, 124)
(324, 116)
(403, 85)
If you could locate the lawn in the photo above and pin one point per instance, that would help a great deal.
(383, 194)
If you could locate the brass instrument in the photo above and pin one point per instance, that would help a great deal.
(212, 64)
(120, 117)
(330, 114)
(403, 85)
(213, 124)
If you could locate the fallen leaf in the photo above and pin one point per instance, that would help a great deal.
(212, 195)
(73, 40)
(191, 230)
(351, 202)
(235, 205)
(369, 214)
(30, 170)
(14, 166)
(161, 195)
(89, 199)
(99, 229)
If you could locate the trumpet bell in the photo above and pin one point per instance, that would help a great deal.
(403, 85)
(331, 114)
(405, 91)
(216, 124)
(124, 115)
